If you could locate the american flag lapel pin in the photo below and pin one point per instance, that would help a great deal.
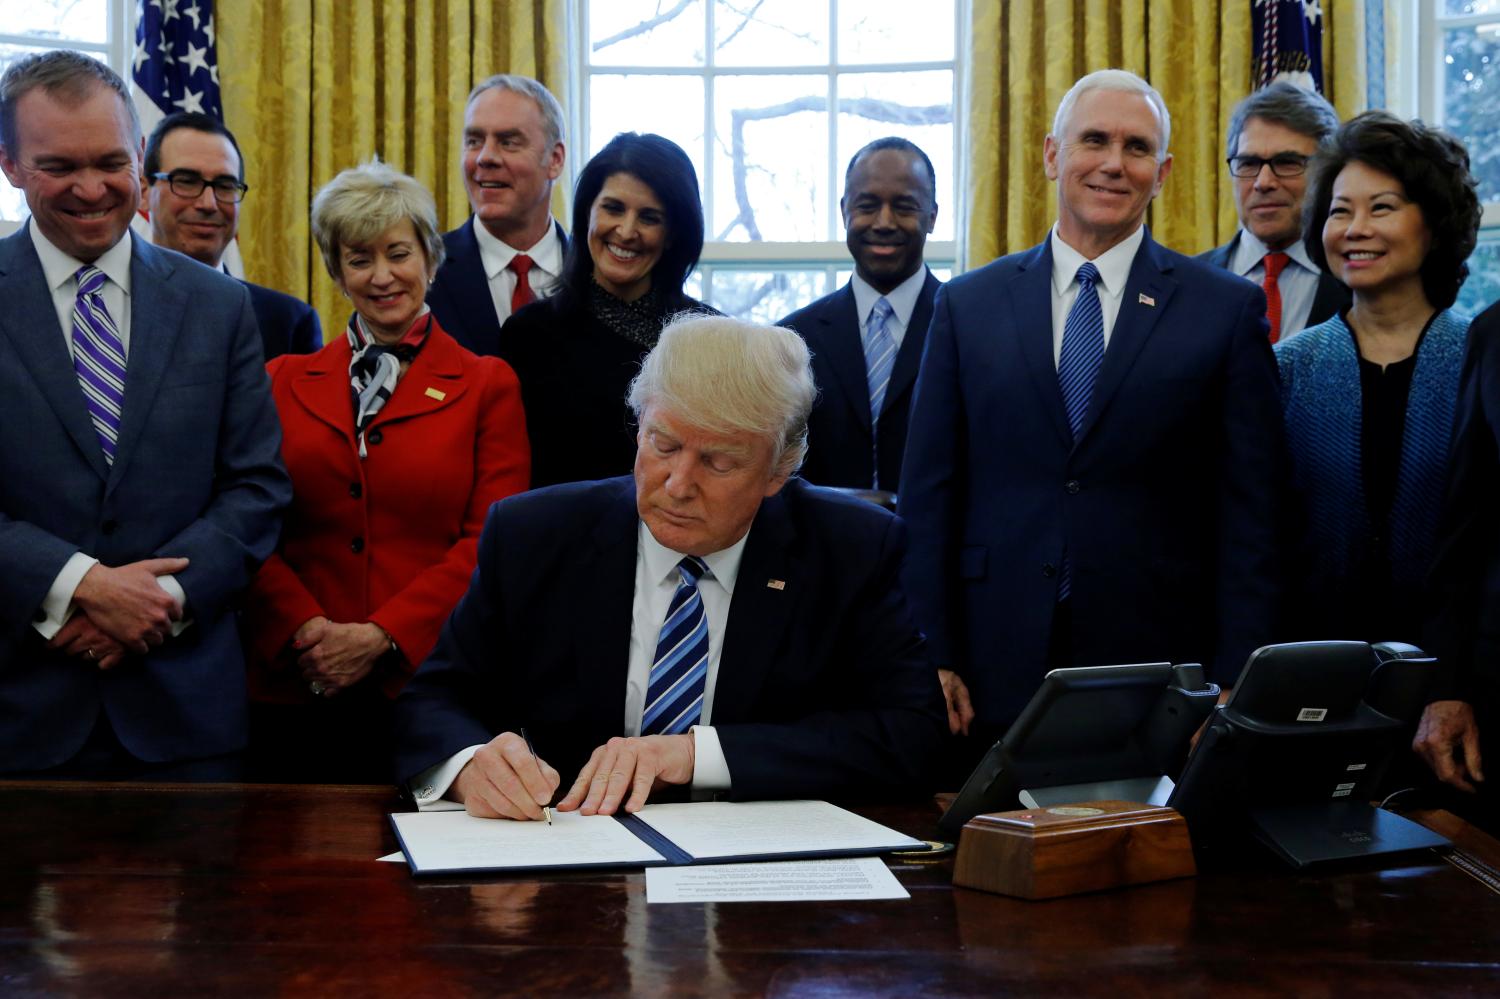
(776, 584)
(1146, 300)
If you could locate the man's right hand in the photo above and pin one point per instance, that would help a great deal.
(505, 781)
(128, 604)
(1448, 741)
(956, 696)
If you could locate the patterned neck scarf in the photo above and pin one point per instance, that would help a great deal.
(639, 321)
(375, 368)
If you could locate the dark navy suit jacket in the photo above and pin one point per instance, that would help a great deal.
(287, 325)
(1164, 507)
(841, 451)
(1330, 298)
(197, 473)
(460, 294)
(823, 688)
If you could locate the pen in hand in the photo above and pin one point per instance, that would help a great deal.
(546, 810)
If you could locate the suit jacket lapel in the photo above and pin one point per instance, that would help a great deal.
(759, 614)
(1030, 303)
(1148, 290)
(30, 322)
(434, 381)
(838, 337)
(157, 313)
(323, 389)
(479, 309)
(605, 588)
(909, 357)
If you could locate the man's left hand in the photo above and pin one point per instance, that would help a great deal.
(82, 639)
(639, 765)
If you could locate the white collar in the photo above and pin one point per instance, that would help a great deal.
(496, 254)
(1113, 264)
(1249, 251)
(59, 267)
(661, 561)
(903, 297)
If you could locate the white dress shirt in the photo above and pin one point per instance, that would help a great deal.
(546, 266)
(60, 271)
(1114, 270)
(903, 299)
(656, 579)
(1298, 280)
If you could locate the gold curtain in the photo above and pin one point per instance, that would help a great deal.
(1025, 54)
(314, 86)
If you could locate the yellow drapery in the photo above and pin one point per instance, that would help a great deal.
(314, 86)
(1024, 54)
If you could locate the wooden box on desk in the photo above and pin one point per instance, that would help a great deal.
(1064, 850)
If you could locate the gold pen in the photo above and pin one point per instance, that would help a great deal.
(546, 811)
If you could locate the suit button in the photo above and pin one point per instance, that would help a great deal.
(357, 545)
(355, 490)
(109, 526)
(1072, 487)
(1049, 570)
(374, 436)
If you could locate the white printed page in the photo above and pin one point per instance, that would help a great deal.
(787, 881)
(457, 841)
(712, 829)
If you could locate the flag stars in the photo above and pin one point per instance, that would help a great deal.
(190, 101)
(195, 58)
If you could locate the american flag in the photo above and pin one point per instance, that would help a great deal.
(176, 68)
(1287, 42)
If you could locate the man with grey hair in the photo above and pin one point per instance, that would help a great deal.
(1090, 473)
(712, 621)
(145, 481)
(1272, 135)
(510, 252)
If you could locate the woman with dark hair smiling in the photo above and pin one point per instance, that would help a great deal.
(1368, 396)
(637, 233)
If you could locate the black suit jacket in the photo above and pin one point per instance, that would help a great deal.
(841, 450)
(1330, 298)
(287, 325)
(460, 294)
(823, 689)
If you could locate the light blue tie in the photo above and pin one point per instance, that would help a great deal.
(674, 696)
(1077, 367)
(880, 358)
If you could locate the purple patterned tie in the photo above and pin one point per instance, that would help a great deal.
(98, 358)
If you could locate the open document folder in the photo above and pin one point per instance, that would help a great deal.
(657, 835)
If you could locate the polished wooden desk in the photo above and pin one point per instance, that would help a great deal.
(243, 890)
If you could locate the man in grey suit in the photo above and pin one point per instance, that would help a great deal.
(1272, 134)
(143, 482)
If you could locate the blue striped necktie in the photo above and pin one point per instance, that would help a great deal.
(98, 358)
(880, 358)
(674, 697)
(1077, 367)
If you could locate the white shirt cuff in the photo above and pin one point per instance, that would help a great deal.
(429, 786)
(176, 592)
(710, 769)
(58, 603)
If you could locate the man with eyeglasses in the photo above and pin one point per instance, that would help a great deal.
(194, 182)
(1272, 135)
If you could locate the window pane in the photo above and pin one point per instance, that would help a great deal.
(886, 31)
(73, 20)
(671, 106)
(646, 33)
(766, 296)
(770, 159)
(1483, 284)
(771, 33)
(1471, 100)
(915, 106)
(1460, 8)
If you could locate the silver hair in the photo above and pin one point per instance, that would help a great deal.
(724, 375)
(546, 103)
(1120, 81)
(364, 201)
(1283, 103)
(63, 74)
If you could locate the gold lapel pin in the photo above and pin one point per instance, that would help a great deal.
(1145, 299)
(433, 393)
(776, 584)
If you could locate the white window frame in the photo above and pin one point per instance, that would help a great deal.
(117, 48)
(830, 255)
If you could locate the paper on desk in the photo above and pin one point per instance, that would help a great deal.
(785, 881)
(728, 829)
(459, 841)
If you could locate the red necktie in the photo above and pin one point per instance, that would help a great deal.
(1274, 263)
(523, 294)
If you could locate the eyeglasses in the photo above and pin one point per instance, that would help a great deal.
(1282, 165)
(187, 184)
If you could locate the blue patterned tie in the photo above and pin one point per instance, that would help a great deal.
(674, 697)
(1077, 367)
(880, 358)
(98, 358)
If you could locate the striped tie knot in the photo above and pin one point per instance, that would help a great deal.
(1088, 275)
(691, 569)
(90, 280)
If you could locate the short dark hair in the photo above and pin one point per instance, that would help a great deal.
(61, 73)
(1433, 169)
(198, 122)
(894, 142)
(1297, 108)
(661, 165)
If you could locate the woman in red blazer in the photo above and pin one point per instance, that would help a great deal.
(397, 440)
